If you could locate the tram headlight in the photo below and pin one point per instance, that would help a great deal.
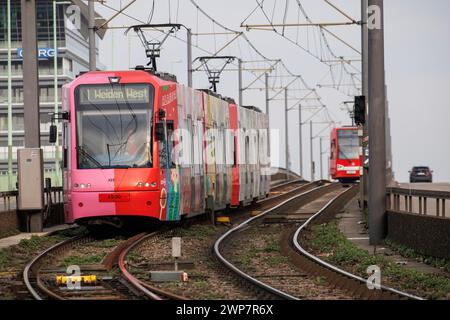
(114, 80)
(82, 185)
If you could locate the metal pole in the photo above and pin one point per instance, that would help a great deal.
(365, 91)
(113, 64)
(240, 81)
(92, 51)
(311, 149)
(377, 129)
(321, 162)
(55, 89)
(286, 124)
(31, 88)
(189, 57)
(328, 168)
(300, 139)
(10, 172)
(129, 50)
(266, 80)
(30, 69)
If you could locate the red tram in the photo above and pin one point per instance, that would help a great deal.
(345, 162)
(138, 144)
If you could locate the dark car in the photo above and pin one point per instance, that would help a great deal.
(420, 174)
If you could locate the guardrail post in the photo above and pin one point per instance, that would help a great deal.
(437, 207)
(420, 205)
(425, 205)
(443, 208)
(410, 204)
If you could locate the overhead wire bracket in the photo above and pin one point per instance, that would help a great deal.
(214, 73)
(153, 47)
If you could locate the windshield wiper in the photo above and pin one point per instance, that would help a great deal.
(88, 156)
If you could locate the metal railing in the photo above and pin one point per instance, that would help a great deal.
(8, 200)
(424, 202)
(53, 199)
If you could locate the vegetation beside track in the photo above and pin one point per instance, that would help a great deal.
(263, 257)
(327, 242)
(206, 279)
(439, 263)
(13, 259)
(18, 255)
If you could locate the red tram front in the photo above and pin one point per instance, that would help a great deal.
(345, 163)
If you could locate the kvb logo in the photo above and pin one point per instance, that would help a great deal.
(73, 17)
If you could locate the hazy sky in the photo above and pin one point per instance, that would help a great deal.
(417, 67)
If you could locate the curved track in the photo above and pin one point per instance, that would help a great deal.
(149, 291)
(40, 290)
(307, 261)
(302, 193)
(351, 281)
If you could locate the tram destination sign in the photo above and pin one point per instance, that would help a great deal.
(106, 94)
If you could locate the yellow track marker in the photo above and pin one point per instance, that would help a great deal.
(223, 219)
(83, 279)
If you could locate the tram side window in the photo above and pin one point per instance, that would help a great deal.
(65, 145)
(333, 148)
(199, 136)
(234, 151)
(166, 148)
(247, 149)
(242, 147)
(185, 143)
(233, 139)
(190, 143)
(220, 147)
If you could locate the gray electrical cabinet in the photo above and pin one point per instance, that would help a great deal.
(30, 178)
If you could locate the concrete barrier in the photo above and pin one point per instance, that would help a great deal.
(427, 235)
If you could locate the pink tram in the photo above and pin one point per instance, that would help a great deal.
(345, 162)
(136, 144)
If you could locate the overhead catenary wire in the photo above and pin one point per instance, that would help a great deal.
(279, 68)
(322, 50)
(140, 21)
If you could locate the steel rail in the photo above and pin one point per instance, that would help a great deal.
(287, 183)
(242, 274)
(35, 265)
(290, 193)
(330, 266)
(149, 291)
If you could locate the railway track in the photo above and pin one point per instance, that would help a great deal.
(40, 281)
(303, 193)
(337, 276)
(331, 198)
